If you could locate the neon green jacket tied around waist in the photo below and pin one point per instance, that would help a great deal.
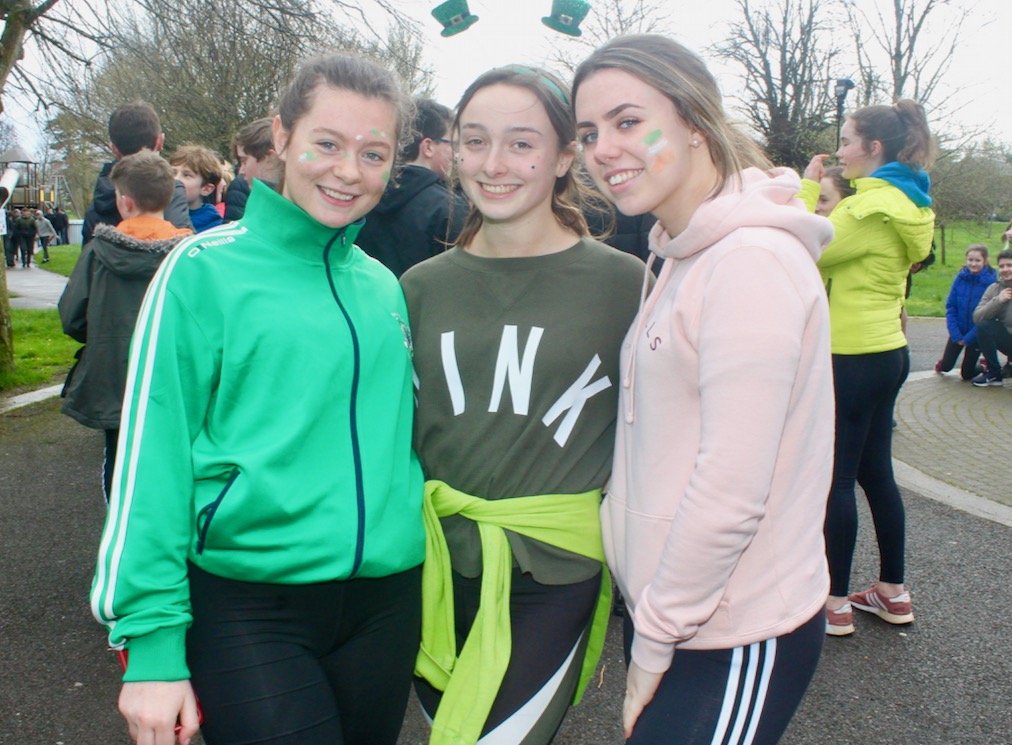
(471, 680)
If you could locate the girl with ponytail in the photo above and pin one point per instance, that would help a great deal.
(880, 231)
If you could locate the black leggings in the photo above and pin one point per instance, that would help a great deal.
(971, 358)
(866, 389)
(320, 664)
(549, 625)
(741, 696)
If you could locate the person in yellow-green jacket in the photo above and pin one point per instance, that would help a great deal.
(880, 231)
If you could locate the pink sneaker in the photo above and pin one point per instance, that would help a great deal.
(896, 610)
(840, 622)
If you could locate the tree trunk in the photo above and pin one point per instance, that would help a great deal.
(19, 17)
(6, 332)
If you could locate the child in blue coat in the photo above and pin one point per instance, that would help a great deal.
(967, 289)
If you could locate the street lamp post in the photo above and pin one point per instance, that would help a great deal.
(840, 90)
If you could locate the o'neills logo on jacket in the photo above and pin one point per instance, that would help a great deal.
(406, 331)
(516, 371)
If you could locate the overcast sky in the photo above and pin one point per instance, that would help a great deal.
(510, 31)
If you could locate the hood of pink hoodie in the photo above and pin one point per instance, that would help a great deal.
(756, 198)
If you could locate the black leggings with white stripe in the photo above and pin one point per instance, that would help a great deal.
(741, 696)
(549, 626)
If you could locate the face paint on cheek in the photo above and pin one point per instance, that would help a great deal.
(359, 138)
(663, 160)
(308, 155)
(386, 177)
(655, 142)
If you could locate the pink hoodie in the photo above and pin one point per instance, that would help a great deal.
(713, 521)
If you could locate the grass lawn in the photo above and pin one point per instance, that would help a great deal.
(42, 353)
(63, 258)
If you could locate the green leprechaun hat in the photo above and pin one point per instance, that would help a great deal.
(566, 16)
(455, 17)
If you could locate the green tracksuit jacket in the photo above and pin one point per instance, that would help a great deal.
(266, 427)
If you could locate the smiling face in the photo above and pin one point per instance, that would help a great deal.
(338, 155)
(1005, 270)
(509, 155)
(975, 262)
(639, 151)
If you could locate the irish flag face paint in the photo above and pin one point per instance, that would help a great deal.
(636, 146)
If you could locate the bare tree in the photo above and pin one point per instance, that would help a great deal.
(895, 58)
(973, 183)
(786, 51)
(59, 33)
(608, 19)
(211, 68)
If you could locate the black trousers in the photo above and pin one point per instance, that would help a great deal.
(26, 244)
(745, 695)
(971, 357)
(993, 337)
(321, 664)
(866, 388)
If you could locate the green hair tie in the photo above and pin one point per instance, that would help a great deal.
(544, 79)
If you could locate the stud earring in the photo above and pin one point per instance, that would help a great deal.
(695, 142)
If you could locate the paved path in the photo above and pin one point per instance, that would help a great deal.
(954, 433)
(35, 288)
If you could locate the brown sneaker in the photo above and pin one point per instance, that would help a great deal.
(840, 622)
(896, 610)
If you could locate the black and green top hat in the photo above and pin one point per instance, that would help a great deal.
(455, 17)
(566, 16)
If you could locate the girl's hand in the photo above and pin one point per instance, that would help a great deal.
(152, 708)
(816, 169)
(640, 688)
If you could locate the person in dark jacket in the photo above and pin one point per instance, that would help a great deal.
(10, 245)
(132, 128)
(99, 306)
(418, 216)
(254, 152)
(60, 223)
(25, 231)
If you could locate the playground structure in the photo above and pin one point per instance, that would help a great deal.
(28, 189)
